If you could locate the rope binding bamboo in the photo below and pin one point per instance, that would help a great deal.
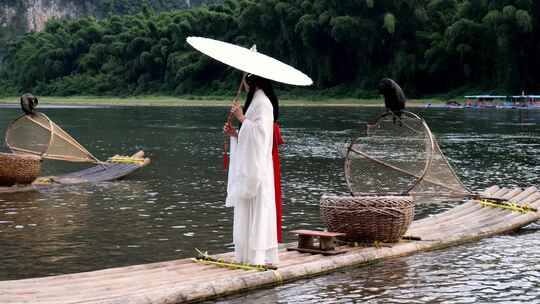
(119, 159)
(205, 258)
(503, 204)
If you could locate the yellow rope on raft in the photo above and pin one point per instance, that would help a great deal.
(507, 205)
(46, 180)
(229, 264)
(278, 276)
(204, 258)
(125, 160)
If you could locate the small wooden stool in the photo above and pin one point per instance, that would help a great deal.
(326, 246)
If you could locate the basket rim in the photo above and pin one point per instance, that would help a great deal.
(20, 156)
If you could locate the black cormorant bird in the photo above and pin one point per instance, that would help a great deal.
(394, 98)
(29, 103)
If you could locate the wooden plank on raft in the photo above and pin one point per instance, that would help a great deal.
(467, 209)
(481, 218)
(17, 189)
(182, 280)
(431, 219)
(462, 221)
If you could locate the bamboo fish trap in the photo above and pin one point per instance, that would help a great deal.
(400, 156)
(396, 161)
(33, 137)
(36, 134)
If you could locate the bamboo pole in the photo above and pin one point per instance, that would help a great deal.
(474, 212)
(488, 192)
(452, 214)
(494, 216)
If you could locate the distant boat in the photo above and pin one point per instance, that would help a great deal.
(453, 104)
(493, 102)
(503, 102)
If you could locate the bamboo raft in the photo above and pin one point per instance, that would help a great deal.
(99, 173)
(183, 280)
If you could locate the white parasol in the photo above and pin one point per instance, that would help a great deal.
(250, 61)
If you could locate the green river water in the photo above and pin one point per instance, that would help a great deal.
(176, 204)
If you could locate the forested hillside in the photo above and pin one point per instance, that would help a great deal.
(20, 16)
(30, 15)
(346, 46)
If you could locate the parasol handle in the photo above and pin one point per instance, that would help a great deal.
(238, 92)
(228, 122)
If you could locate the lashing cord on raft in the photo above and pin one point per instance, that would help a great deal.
(500, 203)
(205, 258)
(125, 160)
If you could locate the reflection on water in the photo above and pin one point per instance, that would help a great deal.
(176, 204)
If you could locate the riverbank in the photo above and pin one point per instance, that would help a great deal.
(211, 101)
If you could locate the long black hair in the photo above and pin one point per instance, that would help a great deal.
(254, 81)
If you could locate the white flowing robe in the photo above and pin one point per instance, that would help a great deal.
(250, 188)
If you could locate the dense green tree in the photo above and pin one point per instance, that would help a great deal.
(346, 46)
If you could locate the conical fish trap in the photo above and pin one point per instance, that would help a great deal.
(400, 156)
(36, 134)
(396, 160)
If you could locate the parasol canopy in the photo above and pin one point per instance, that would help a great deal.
(250, 61)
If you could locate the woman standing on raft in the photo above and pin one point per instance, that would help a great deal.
(252, 188)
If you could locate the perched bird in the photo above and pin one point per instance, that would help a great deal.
(394, 98)
(29, 103)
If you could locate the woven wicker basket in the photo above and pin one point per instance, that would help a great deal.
(18, 169)
(368, 218)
